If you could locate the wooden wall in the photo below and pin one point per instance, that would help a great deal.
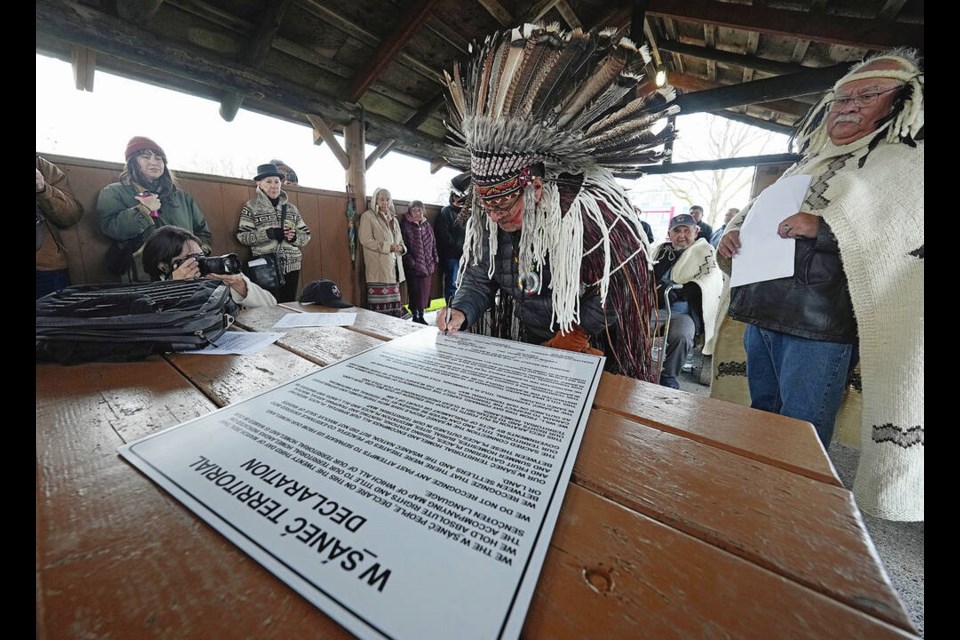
(326, 256)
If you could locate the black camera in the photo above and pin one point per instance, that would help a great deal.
(226, 264)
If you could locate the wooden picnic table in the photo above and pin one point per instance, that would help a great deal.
(687, 517)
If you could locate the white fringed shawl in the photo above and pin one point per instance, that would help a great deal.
(698, 264)
(876, 212)
(877, 215)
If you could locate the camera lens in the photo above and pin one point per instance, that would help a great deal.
(221, 265)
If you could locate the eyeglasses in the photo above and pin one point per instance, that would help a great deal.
(502, 207)
(862, 100)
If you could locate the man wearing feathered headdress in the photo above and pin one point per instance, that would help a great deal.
(857, 281)
(554, 249)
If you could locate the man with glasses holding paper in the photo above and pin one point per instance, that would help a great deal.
(857, 283)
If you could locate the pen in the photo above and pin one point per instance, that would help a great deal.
(446, 324)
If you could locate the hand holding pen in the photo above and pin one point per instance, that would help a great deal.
(449, 320)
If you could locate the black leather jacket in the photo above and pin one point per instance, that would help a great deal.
(477, 291)
(814, 303)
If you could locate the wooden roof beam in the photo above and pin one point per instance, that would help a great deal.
(361, 35)
(323, 132)
(72, 23)
(498, 12)
(813, 81)
(733, 59)
(381, 150)
(141, 11)
(818, 27)
(539, 9)
(83, 61)
(713, 165)
(569, 15)
(693, 85)
(815, 26)
(413, 18)
(267, 28)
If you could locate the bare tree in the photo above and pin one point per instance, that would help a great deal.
(715, 190)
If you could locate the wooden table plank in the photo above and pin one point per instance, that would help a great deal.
(323, 345)
(372, 323)
(783, 442)
(614, 573)
(84, 413)
(803, 529)
(227, 379)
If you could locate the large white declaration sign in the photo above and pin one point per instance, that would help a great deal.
(409, 491)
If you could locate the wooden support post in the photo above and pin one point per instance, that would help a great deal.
(354, 138)
(326, 133)
(84, 63)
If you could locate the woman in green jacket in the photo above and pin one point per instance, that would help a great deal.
(147, 196)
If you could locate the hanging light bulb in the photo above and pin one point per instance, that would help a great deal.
(661, 77)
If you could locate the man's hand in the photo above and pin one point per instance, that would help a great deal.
(729, 244)
(275, 233)
(289, 233)
(235, 282)
(799, 225)
(41, 183)
(451, 324)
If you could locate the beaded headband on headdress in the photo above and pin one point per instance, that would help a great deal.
(536, 94)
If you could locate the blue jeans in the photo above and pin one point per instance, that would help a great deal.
(451, 267)
(797, 377)
(50, 281)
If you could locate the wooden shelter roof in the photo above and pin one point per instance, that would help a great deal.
(327, 62)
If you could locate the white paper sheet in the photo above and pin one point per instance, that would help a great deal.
(763, 254)
(291, 320)
(242, 343)
(410, 491)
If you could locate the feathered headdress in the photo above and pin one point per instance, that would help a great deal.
(536, 102)
(536, 94)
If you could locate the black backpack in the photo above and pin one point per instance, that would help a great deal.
(125, 322)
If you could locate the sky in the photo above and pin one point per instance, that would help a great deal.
(97, 125)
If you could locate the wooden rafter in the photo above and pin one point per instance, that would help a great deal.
(498, 11)
(389, 48)
(816, 27)
(267, 28)
(569, 15)
(322, 131)
(709, 165)
(140, 10)
(769, 93)
(381, 150)
(539, 9)
(72, 23)
(733, 59)
(84, 64)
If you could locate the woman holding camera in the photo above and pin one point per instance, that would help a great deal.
(172, 253)
(147, 196)
(270, 224)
